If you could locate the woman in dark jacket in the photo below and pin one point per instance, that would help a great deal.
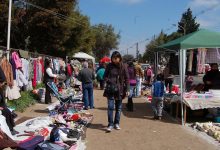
(117, 86)
(48, 77)
(133, 82)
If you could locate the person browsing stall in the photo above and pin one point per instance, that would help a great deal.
(86, 76)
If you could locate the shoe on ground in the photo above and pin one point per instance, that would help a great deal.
(86, 108)
(155, 117)
(159, 118)
(117, 127)
(109, 129)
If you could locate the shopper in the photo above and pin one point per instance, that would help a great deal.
(86, 76)
(133, 82)
(117, 85)
(48, 77)
(100, 76)
(69, 73)
(158, 90)
(149, 75)
(139, 76)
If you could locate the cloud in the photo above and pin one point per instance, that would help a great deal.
(203, 3)
(207, 11)
(130, 2)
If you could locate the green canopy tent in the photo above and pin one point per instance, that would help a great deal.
(199, 39)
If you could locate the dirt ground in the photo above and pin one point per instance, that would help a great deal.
(139, 131)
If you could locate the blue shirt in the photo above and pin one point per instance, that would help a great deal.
(158, 89)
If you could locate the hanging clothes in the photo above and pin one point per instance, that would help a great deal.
(56, 65)
(42, 64)
(190, 61)
(212, 56)
(201, 60)
(20, 78)
(12, 93)
(13, 65)
(194, 64)
(39, 71)
(7, 69)
(34, 80)
(25, 68)
(16, 59)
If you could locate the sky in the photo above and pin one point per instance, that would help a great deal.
(140, 20)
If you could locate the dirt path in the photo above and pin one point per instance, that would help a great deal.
(139, 131)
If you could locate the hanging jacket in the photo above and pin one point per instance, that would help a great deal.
(17, 60)
(7, 68)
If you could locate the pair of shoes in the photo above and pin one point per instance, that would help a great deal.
(117, 127)
(86, 108)
(109, 129)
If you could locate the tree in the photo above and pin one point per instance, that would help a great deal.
(188, 23)
(106, 40)
(127, 58)
(153, 46)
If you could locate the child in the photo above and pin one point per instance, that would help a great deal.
(158, 90)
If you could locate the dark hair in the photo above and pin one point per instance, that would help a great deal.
(130, 64)
(160, 77)
(213, 64)
(116, 54)
(47, 62)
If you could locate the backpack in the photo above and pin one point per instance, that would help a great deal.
(6, 141)
(30, 143)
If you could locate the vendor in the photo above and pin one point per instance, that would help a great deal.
(48, 77)
(212, 78)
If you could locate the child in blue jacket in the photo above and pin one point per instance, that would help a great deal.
(158, 90)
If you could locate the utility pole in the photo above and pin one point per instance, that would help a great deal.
(137, 51)
(9, 27)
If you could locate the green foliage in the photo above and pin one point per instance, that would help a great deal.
(26, 100)
(40, 85)
(106, 40)
(153, 46)
(188, 23)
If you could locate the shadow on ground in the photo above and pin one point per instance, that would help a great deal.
(144, 111)
(45, 111)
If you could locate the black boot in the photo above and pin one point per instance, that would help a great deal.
(130, 104)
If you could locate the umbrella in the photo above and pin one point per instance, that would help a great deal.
(105, 59)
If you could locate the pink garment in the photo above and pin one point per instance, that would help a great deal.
(201, 60)
(17, 60)
(34, 80)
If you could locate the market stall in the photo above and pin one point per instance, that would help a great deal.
(199, 39)
(81, 55)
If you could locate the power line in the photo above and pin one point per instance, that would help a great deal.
(61, 16)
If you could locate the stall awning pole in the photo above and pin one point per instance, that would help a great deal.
(182, 61)
(9, 26)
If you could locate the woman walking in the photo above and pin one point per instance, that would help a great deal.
(133, 82)
(117, 86)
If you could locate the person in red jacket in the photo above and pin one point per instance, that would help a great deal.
(69, 73)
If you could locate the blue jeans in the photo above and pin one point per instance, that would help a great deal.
(131, 91)
(138, 86)
(88, 98)
(118, 107)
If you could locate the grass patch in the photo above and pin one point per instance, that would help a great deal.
(27, 99)
(40, 85)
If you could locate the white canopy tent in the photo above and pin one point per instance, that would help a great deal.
(82, 55)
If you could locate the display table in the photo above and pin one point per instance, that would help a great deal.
(197, 103)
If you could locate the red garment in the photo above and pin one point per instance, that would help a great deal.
(42, 64)
(34, 80)
(69, 70)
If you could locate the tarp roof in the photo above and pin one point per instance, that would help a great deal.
(83, 56)
(199, 39)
